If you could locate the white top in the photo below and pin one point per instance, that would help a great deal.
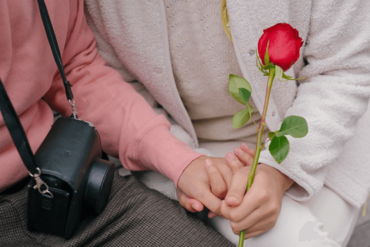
(202, 59)
(133, 35)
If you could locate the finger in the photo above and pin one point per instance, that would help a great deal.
(243, 157)
(258, 229)
(225, 210)
(217, 183)
(225, 170)
(188, 203)
(254, 230)
(264, 225)
(184, 202)
(253, 234)
(233, 163)
(250, 222)
(207, 198)
(237, 189)
(248, 150)
(257, 196)
(211, 215)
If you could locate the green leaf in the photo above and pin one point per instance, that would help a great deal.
(295, 126)
(271, 135)
(267, 57)
(279, 73)
(241, 118)
(264, 67)
(279, 148)
(260, 66)
(244, 94)
(236, 82)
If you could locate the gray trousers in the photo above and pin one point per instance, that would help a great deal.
(134, 216)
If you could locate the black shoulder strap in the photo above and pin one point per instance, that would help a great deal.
(10, 116)
(16, 131)
(54, 46)
(20, 140)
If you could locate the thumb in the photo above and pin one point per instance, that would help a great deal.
(238, 186)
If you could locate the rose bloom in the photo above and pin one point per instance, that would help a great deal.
(284, 44)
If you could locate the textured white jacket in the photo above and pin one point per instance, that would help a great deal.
(132, 37)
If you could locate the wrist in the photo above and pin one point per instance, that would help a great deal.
(285, 181)
(288, 182)
(189, 169)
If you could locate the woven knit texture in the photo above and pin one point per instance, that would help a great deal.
(202, 59)
(134, 216)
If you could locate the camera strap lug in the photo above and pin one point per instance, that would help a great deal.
(74, 111)
(39, 183)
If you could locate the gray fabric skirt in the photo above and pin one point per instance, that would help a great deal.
(134, 216)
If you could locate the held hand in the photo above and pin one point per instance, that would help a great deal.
(207, 180)
(244, 157)
(219, 176)
(256, 211)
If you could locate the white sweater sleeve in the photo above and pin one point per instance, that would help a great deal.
(333, 96)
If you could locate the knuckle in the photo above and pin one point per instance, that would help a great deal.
(272, 224)
(197, 194)
(251, 235)
(234, 194)
(246, 157)
(236, 163)
(181, 200)
(224, 213)
(274, 220)
(212, 170)
(273, 210)
(234, 228)
(219, 192)
(185, 205)
(220, 163)
(215, 209)
(179, 197)
(219, 188)
(264, 196)
(234, 216)
(189, 208)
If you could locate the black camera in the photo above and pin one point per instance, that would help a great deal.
(79, 180)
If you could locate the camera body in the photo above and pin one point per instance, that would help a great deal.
(80, 181)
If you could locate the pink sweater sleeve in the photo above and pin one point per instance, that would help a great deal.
(128, 127)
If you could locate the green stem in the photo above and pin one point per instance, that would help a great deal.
(259, 139)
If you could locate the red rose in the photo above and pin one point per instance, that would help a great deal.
(284, 44)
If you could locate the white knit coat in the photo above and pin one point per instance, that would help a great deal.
(132, 37)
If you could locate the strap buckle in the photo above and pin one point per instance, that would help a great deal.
(40, 183)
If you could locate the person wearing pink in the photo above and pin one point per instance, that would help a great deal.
(129, 128)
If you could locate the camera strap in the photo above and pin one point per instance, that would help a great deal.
(11, 118)
(56, 53)
(20, 140)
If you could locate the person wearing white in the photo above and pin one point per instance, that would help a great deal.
(180, 53)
